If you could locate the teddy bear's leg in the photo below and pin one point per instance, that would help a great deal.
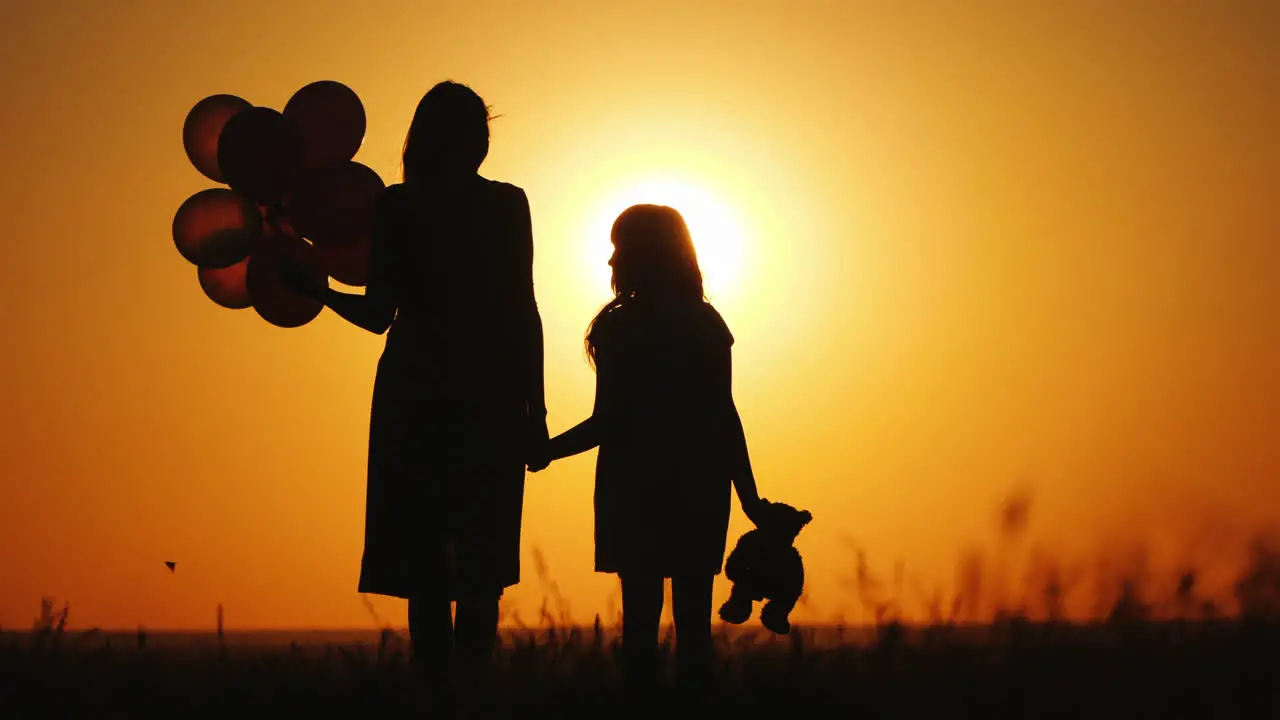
(776, 613)
(737, 609)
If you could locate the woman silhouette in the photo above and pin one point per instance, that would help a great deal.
(458, 405)
(671, 441)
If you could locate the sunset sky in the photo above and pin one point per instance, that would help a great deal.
(966, 250)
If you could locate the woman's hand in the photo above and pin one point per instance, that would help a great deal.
(538, 463)
(298, 279)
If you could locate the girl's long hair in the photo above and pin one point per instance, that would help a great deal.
(654, 260)
(449, 134)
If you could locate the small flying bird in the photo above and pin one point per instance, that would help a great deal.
(171, 565)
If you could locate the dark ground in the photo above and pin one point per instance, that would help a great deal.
(1222, 669)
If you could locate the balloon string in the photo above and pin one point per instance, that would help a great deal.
(274, 213)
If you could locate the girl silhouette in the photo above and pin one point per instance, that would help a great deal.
(458, 402)
(670, 438)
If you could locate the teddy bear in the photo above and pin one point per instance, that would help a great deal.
(765, 565)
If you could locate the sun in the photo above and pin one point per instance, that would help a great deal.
(717, 234)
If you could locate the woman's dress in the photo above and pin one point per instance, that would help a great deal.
(451, 401)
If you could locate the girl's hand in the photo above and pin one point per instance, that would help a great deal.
(756, 510)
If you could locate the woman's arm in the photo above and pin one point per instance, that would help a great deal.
(375, 309)
(366, 311)
(530, 318)
(531, 351)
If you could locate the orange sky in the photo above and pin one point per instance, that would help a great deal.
(978, 247)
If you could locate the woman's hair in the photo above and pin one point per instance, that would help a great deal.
(654, 259)
(449, 135)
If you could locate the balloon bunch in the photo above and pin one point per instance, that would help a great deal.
(291, 190)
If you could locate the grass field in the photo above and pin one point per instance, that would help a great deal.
(1218, 669)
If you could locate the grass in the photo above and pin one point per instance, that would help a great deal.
(1226, 668)
(1176, 656)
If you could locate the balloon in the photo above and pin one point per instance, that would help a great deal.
(330, 121)
(216, 228)
(258, 154)
(275, 221)
(272, 299)
(202, 127)
(336, 204)
(226, 286)
(347, 263)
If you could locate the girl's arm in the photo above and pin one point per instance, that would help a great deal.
(578, 439)
(744, 480)
(604, 416)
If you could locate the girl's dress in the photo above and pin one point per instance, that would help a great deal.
(446, 454)
(663, 474)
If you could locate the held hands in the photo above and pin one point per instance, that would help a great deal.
(538, 462)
